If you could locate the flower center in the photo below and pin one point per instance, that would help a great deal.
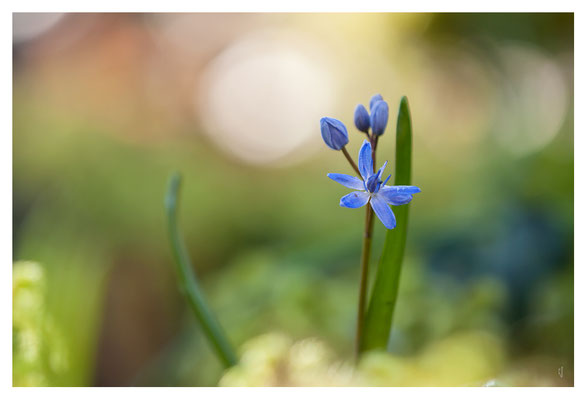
(373, 183)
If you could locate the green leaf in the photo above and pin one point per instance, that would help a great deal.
(188, 284)
(384, 295)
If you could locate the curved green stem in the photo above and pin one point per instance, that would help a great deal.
(188, 283)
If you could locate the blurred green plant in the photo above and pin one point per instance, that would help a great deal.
(73, 268)
(39, 352)
(188, 283)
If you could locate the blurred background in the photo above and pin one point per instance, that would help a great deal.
(107, 106)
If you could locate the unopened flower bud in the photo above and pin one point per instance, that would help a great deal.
(375, 99)
(334, 133)
(379, 116)
(362, 121)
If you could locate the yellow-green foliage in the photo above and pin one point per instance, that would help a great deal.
(468, 358)
(462, 359)
(274, 359)
(38, 350)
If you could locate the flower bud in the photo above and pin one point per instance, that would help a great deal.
(362, 119)
(334, 133)
(375, 99)
(379, 116)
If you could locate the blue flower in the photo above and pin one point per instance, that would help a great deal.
(374, 100)
(362, 121)
(379, 116)
(334, 133)
(372, 190)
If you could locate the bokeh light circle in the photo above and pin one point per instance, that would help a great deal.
(534, 100)
(261, 99)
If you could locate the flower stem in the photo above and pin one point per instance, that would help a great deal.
(351, 161)
(365, 255)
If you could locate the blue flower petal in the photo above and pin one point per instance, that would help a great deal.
(365, 160)
(395, 199)
(346, 180)
(383, 211)
(354, 200)
(380, 171)
(400, 189)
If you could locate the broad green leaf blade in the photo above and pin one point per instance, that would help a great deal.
(384, 295)
(188, 283)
